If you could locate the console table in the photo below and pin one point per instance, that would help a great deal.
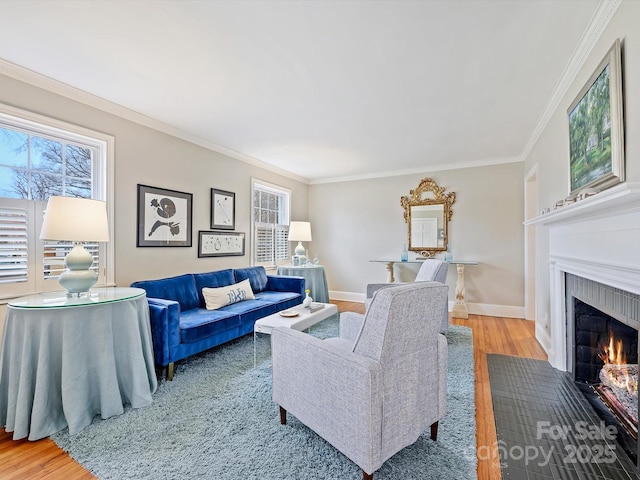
(390, 264)
(314, 280)
(64, 360)
(460, 309)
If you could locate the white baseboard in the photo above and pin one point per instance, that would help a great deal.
(543, 338)
(508, 311)
(347, 296)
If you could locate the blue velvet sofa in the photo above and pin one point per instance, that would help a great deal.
(181, 325)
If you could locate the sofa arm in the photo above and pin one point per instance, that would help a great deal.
(165, 328)
(285, 283)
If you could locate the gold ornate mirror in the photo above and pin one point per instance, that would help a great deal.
(428, 218)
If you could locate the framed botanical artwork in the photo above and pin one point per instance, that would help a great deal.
(164, 217)
(223, 209)
(596, 130)
(220, 244)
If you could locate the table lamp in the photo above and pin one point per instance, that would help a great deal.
(77, 220)
(300, 232)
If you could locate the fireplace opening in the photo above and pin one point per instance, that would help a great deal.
(606, 368)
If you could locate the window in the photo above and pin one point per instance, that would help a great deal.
(41, 157)
(270, 224)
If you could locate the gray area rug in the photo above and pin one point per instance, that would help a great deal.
(216, 420)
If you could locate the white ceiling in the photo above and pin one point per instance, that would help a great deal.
(321, 89)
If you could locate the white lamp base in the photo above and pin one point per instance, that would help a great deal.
(78, 278)
(300, 251)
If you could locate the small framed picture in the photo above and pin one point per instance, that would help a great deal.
(223, 209)
(220, 244)
(164, 217)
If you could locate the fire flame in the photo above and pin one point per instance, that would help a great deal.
(614, 352)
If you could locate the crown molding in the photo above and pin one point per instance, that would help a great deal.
(599, 21)
(435, 168)
(65, 90)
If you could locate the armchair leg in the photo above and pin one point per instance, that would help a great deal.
(434, 431)
(170, 371)
(283, 416)
(367, 476)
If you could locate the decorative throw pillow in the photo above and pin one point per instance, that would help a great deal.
(215, 298)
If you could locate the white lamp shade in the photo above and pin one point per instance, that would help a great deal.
(75, 219)
(300, 232)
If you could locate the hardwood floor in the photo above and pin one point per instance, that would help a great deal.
(507, 336)
(24, 460)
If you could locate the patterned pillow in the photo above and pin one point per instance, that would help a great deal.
(215, 298)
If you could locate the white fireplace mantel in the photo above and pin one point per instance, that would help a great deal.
(609, 201)
(597, 238)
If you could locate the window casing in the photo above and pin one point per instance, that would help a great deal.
(40, 157)
(270, 219)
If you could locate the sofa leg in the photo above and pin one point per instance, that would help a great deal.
(170, 371)
(434, 431)
(283, 416)
(367, 476)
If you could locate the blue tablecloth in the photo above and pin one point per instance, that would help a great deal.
(62, 366)
(315, 280)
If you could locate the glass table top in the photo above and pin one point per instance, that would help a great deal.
(95, 296)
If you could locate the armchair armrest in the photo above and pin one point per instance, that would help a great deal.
(164, 316)
(374, 287)
(329, 389)
(285, 283)
(350, 325)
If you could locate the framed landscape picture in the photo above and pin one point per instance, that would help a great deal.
(596, 131)
(164, 217)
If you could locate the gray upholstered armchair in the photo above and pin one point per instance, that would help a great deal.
(431, 270)
(374, 390)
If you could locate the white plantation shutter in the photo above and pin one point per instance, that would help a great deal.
(14, 245)
(28, 264)
(272, 246)
(281, 243)
(264, 244)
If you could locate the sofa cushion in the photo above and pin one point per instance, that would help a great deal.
(181, 289)
(257, 277)
(276, 297)
(260, 307)
(215, 298)
(221, 278)
(199, 323)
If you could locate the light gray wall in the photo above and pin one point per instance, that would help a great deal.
(147, 156)
(353, 222)
(358, 221)
(550, 154)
